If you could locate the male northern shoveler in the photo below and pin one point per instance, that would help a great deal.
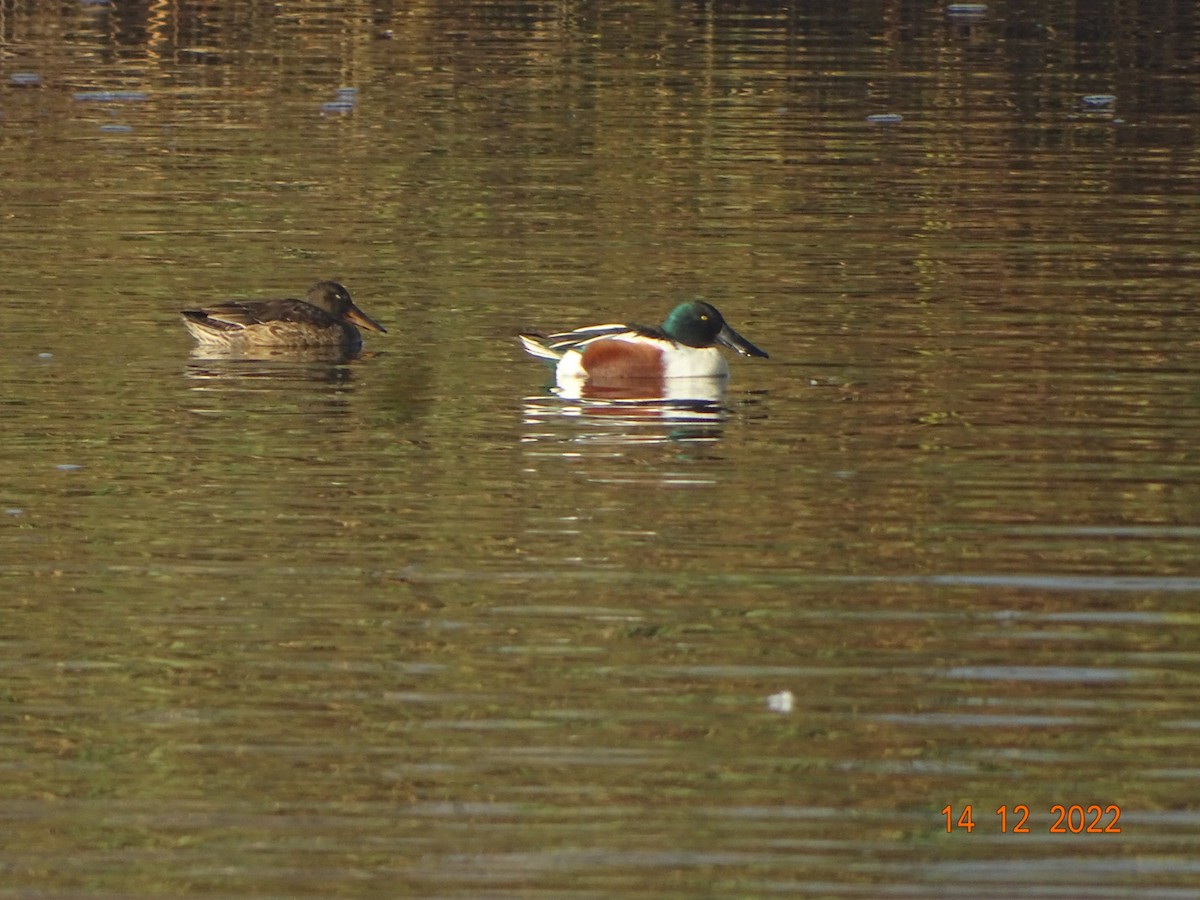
(622, 356)
(326, 317)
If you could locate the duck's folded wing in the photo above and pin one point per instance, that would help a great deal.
(239, 314)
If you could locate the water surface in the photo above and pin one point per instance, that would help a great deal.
(409, 624)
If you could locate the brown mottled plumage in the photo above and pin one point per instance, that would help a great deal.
(326, 317)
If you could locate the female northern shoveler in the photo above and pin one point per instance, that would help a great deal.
(624, 356)
(324, 318)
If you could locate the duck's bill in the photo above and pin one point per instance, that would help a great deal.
(727, 337)
(361, 319)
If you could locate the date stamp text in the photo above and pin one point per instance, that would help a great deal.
(1073, 819)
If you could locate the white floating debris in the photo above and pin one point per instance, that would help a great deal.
(966, 10)
(68, 467)
(885, 118)
(109, 96)
(783, 702)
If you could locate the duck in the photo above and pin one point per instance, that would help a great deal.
(639, 356)
(326, 317)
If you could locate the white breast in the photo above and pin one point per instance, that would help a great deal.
(690, 362)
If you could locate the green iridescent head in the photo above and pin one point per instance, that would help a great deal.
(699, 324)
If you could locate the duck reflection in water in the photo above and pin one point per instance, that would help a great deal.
(325, 324)
(622, 422)
(677, 361)
(237, 370)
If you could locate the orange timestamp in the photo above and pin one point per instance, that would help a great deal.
(1073, 819)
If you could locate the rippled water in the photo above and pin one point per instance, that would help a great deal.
(409, 624)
